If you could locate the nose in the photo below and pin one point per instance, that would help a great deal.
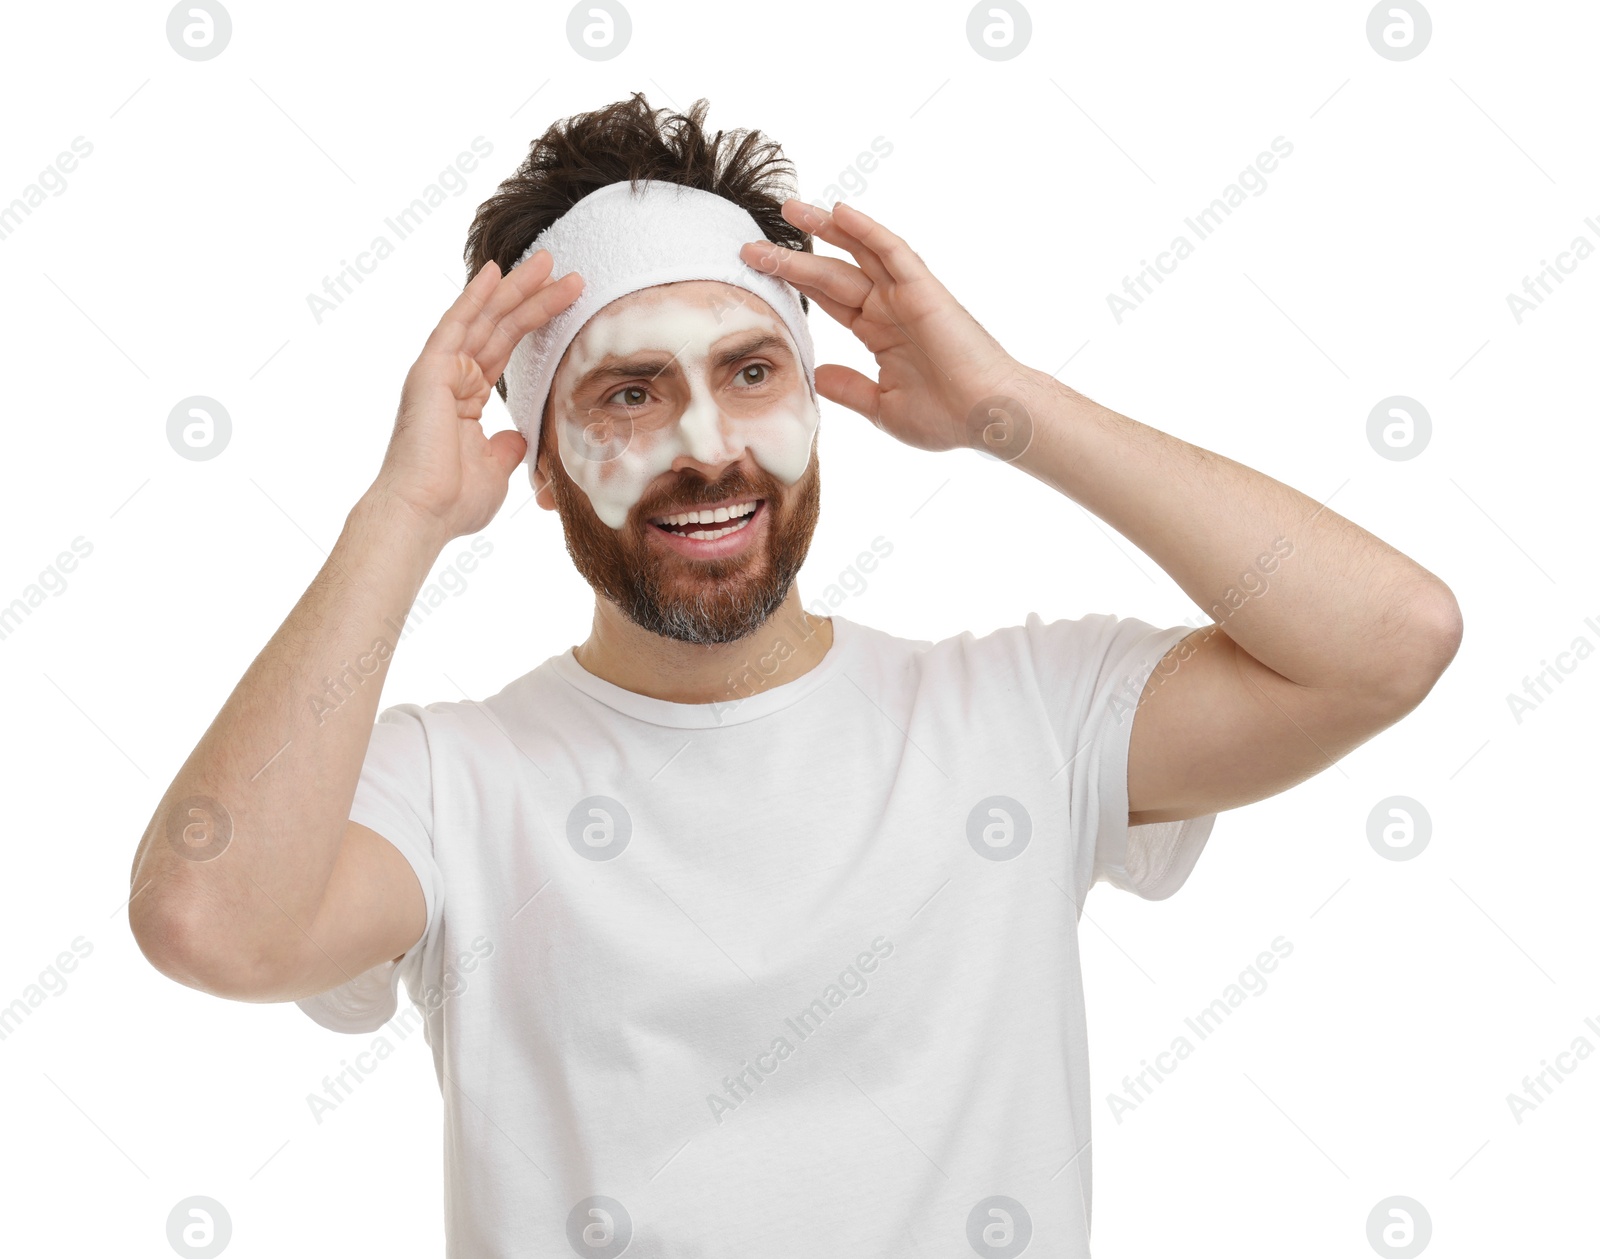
(710, 440)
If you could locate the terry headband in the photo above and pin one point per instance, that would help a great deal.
(621, 241)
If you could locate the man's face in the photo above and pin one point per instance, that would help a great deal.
(678, 398)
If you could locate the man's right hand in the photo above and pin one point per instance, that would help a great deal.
(440, 467)
(300, 898)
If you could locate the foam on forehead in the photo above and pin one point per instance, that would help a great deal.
(622, 238)
(660, 319)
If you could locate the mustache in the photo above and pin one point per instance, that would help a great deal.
(689, 497)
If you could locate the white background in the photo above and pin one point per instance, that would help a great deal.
(178, 259)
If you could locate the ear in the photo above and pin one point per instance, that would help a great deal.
(539, 477)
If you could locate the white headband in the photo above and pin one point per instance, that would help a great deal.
(622, 243)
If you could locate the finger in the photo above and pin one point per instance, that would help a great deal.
(539, 309)
(817, 221)
(508, 448)
(874, 335)
(846, 315)
(902, 261)
(842, 282)
(514, 288)
(849, 388)
(450, 333)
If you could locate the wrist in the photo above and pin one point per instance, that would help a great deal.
(1004, 422)
(382, 522)
(1068, 433)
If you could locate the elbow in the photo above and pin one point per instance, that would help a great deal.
(185, 947)
(1421, 654)
(155, 929)
(1450, 627)
(1441, 635)
(165, 933)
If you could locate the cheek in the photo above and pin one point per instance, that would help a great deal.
(612, 460)
(637, 456)
(593, 435)
(780, 438)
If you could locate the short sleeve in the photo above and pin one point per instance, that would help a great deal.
(1091, 673)
(394, 797)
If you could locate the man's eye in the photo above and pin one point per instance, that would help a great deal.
(630, 389)
(756, 367)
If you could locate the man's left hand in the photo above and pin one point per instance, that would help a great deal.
(936, 364)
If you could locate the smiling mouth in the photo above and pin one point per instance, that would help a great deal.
(706, 524)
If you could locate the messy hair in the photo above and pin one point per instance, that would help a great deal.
(629, 140)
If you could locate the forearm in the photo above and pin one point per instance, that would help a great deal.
(281, 762)
(1303, 590)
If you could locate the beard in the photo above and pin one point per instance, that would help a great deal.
(689, 600)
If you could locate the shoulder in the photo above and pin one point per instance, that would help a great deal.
(1009, 648)
(444, 720)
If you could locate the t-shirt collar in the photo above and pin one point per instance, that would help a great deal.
(741, 705)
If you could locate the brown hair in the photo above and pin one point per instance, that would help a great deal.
(629, 140)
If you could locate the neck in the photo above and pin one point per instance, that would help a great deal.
(789, 644)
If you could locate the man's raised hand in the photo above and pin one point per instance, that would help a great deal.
(936, 363)
(440, 467)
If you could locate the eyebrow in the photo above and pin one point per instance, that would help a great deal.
(653, 364)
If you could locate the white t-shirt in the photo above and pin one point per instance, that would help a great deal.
(790, 976)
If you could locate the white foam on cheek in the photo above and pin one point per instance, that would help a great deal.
(614, 462)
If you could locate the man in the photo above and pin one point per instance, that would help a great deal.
(740, 930)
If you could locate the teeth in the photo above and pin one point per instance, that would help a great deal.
(706, 535)
(708, 517)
